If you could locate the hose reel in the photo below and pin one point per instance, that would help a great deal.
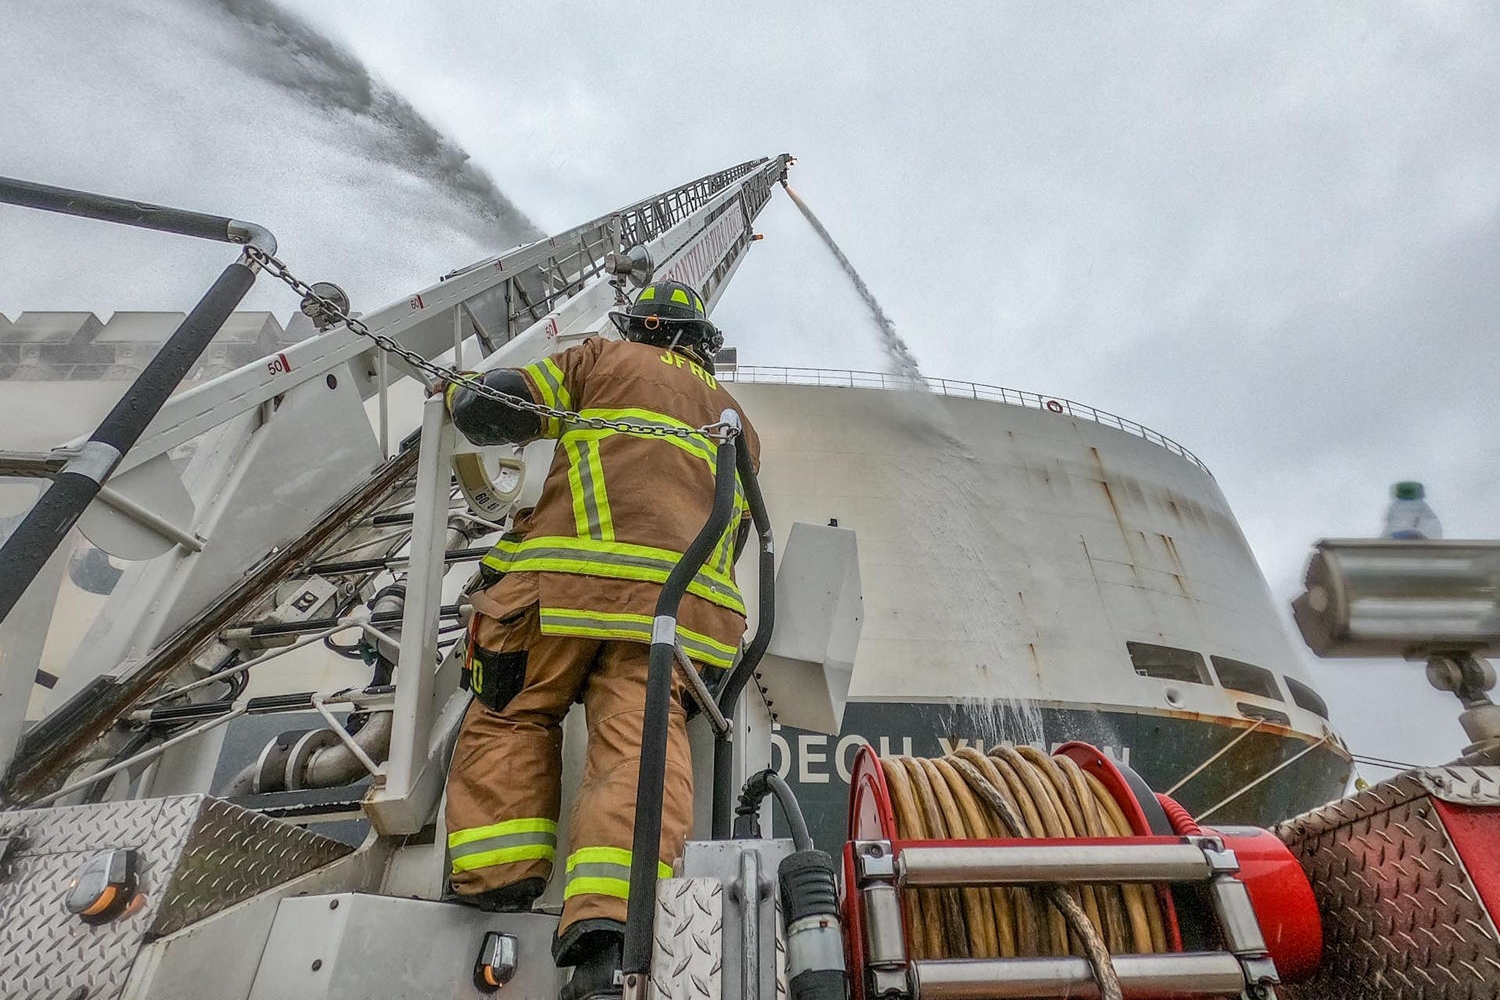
(984, 875)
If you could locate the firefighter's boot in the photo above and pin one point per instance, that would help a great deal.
(596, 957)
(515, 898)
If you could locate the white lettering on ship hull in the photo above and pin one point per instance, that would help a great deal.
(811, 758)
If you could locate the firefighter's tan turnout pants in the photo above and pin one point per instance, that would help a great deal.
(504, 783)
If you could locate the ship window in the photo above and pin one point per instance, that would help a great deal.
(1306, 697)
(1237, 675)
(1261, 712)
(1168, 663)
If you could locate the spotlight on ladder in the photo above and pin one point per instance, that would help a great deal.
(325, 316)
(635, 264)
(1432, 601)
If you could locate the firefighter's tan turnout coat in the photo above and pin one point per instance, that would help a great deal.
(582, 575)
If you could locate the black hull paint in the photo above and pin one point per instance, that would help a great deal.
(1161, 747)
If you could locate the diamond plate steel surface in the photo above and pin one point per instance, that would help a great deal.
(231, 855)
(1462, 786)
(1401, 917)
(688, 959)
(190, 850)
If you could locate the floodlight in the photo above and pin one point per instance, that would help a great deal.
(1408, 598)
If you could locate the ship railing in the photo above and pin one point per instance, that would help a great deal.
(1059, 405)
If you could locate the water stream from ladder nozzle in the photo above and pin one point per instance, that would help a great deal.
(291, 54)
(900, 357)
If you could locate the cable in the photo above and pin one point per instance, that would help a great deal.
(1018, 792)
(757, 786)
(1395, 765)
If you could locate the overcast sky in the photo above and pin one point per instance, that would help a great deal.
(1269, 231)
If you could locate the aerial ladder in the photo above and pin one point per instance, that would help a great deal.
(143, 853)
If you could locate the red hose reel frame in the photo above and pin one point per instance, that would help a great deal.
(1278, 888)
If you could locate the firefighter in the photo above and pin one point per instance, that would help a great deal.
(571, 620)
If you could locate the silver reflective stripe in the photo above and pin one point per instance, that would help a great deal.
(502, 841)
(95, 460)
(590, 491)
(599, 869)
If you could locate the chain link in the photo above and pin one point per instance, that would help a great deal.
(719, 431)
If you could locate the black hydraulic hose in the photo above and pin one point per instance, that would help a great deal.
(734, 684)
(645, 848)
(74, 488)
(769, 782)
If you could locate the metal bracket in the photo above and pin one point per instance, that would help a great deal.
(874, 860)
(1260, 977)
(1221, 860)
(888, 984)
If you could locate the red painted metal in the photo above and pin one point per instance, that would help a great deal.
(871, 816)
(854, 927)
(1282, 898)
(1475, 832)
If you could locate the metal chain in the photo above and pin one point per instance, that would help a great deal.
(718, 431)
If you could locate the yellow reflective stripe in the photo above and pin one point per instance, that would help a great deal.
(534, 825)
(607, 855)
(575, 487)
(610, 856)
(617, 887)
(564, 398)
(504, 856)
(591, 515)
(612, 560)
(503, 843)
(621, 625)
(603, 871)
(549, 382)
(594, 478)
(696, 445)
(723, 555)
(500, 555)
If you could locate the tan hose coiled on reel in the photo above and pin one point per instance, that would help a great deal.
(1016, 792)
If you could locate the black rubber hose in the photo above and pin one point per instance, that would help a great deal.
(814, 939)
(769, 782)
(734, 683)
(645, 849)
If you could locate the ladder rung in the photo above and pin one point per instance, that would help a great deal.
(969, 866)
(1206, 973)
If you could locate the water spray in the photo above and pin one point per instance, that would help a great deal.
(902, 361)
(291, 54)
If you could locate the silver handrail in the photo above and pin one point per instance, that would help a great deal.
(952, 387)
